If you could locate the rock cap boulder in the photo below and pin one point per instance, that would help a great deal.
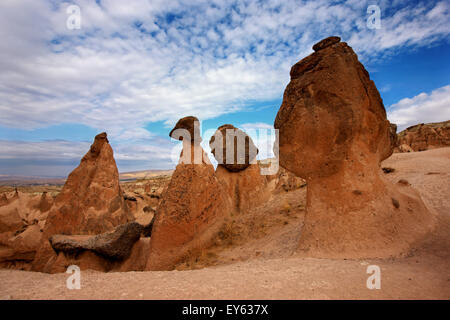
(322, 44)
(191, 124)
(234, 154)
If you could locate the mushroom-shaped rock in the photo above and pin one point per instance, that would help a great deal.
(187, 127)
(90, 202)
(326, 43)
(233, 148)
(238, 170)
(333, 132)
(192, 210)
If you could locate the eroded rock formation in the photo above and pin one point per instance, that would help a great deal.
(333, 132)
(422, 137)
(113, 245)
(3, 200)
(238, 170)
(22, 218)
(233, 148)
(90, 203)
(192, 210)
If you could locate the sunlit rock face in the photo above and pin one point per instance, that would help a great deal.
(333, 132)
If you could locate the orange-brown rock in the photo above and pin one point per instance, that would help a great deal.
(233, 148)
(333, 132)
(192, 211)
(393, 135)
(21, 246)
(138, 258)
(21, 220)
(10, 219)
(403, 148)
(326, 43)
(189, 125)
(237, 170)
(15, 196)
(3, 200)
(246, 188)
(285, 181)
(90, 202)
(45, 203)
(422, 137)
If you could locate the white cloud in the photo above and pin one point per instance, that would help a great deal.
(423, 108)
(128, 66)
(155, 155)
(212, 59)
(256, 126)
(44, 150)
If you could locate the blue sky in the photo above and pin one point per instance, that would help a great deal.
(135, 67)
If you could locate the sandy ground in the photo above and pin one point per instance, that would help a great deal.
(423, 274)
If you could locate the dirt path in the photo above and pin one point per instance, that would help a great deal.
(424, 274)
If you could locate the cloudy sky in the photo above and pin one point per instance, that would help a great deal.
(133, 68)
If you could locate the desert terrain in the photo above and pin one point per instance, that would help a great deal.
(256, 259)
(349, 195)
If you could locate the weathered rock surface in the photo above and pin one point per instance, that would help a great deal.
(10, 220)
(285, 181)
(192, 125)
(326, 43)
(393, 135)
(234, 154)
(3, 200)
(90, 203)
(45, 203)
(333, 132)
(404, 148)
(422, 137)
(246, 188)
(19, 246)
(21, 221)
(113, 245)
(192, 211)
(138, 258)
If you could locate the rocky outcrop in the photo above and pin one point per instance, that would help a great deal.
(326, 43)
(238, 170)
(45, 203)
(285, 181)
(3, 200)
(233, 148)
(246, 188)
(189, 125)
(192, 210)
(403, 148)
(113, 245)
(90, 203)
(21, 222)
(20, 246)
(333, 132)
(393, 135)
(10, 220)
(422, 137)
